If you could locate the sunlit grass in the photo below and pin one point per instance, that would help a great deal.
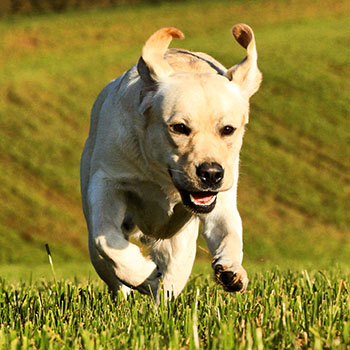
(281, 310)
(294, 184)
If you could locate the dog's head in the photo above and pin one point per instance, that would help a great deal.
(194, 119)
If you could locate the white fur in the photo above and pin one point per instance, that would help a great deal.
(133, 165)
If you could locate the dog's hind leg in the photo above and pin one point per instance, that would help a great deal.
(113, 256)
(108, 275)
(175, 257)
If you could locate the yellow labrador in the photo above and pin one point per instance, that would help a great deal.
(161, 156)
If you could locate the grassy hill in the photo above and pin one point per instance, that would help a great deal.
(294, 184)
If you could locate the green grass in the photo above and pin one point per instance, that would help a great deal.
(281, 310)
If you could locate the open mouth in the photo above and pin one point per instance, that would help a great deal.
(199, 202)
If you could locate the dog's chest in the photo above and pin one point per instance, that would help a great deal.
(154, 215)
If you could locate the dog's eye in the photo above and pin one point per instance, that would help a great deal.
(181, 129)
(227, 130)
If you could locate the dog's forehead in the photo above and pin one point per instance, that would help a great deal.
(202, 92)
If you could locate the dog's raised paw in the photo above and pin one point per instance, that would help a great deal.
(232, 279)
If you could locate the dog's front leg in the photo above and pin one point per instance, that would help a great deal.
(113, 256)
(175, 257)
(223, 233)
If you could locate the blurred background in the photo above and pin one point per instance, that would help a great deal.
(56, 56)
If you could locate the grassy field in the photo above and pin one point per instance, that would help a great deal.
(286, 310)
(294, 184)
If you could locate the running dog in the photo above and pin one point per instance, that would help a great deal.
(162, 156)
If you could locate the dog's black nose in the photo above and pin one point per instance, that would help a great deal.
(210, 173)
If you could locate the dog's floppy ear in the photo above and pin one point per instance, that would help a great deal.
(246, 74)
(152, 65)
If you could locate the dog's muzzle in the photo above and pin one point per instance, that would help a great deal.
(210, 174)
(202, 201)
(199, 202)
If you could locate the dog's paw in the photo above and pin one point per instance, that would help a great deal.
(233, 279)
(151, 285)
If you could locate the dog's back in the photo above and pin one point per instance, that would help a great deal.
(187, 61)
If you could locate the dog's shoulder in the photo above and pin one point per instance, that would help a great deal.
(184, 60)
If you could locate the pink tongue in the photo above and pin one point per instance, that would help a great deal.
(200, 198)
